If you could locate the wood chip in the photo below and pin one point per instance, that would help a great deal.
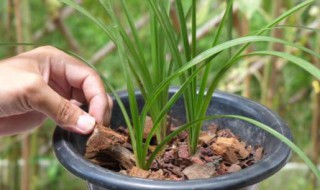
(121, 157)
(234, 168)
(225, 133)
(197, 160)
(258, 154)
(148, 124)
(206, 137)
(125, 157)
(231, 143)
(169, 155)
(212, 128)
(231, 156)
(159, 175)
(183, 151)
(103, 138)
(222, 168)
(227, 142)
(106, 144)
(218, 150)
(197, 171)
(140, 173)
(123, 172)
(242, 151)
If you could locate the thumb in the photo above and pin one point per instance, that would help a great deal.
(66, 114)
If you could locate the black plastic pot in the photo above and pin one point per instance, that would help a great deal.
(69, 148)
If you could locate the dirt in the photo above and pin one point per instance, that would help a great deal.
(219, 152)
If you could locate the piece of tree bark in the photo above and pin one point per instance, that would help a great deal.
(197, 171)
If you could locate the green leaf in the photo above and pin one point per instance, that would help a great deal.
(184, 31)
(199, 59)
(314, 71)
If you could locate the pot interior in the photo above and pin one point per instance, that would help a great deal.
(69, 147)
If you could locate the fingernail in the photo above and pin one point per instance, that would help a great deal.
(86, 123)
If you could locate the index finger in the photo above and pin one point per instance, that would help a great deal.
(71, 72)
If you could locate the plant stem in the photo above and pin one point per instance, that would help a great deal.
(315, 137)
(270, 71)
(230, 26)
(194, 28)
(242, 26)
(22, 34)
(18, 24)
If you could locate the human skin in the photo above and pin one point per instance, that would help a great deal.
(46, 82)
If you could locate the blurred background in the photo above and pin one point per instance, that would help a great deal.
(27, 161)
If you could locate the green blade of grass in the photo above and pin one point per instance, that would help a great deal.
(314, 71)
(133, 29)
(286, 27)
(164, 21)
(305, 65)
(212, 51)
(158, 70)
(141, 67)
(184, 31)
(272, 24)
(230, 25)
(207, 70)
(204, 80)
(133, 105)
(142, 61)
(286, 15)
(212, 87)
(215, 83)
(194, 28)
(168, 106)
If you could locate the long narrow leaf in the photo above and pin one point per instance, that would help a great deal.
(184, 31)
(206, 54)
(137, 128)
(313, 70)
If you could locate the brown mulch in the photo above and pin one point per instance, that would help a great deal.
(219, 152)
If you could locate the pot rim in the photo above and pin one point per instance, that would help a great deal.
(79, 166)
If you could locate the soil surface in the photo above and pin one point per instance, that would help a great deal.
(219, 152)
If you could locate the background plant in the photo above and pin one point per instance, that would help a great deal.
(91, 37)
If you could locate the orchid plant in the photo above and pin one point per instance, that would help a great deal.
(173, 55)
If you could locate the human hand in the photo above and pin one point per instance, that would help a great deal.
(41, 83)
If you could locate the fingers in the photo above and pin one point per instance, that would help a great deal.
(99, 104)
(65, 113)
(46, 82)
(77, 94)
(71, 74)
